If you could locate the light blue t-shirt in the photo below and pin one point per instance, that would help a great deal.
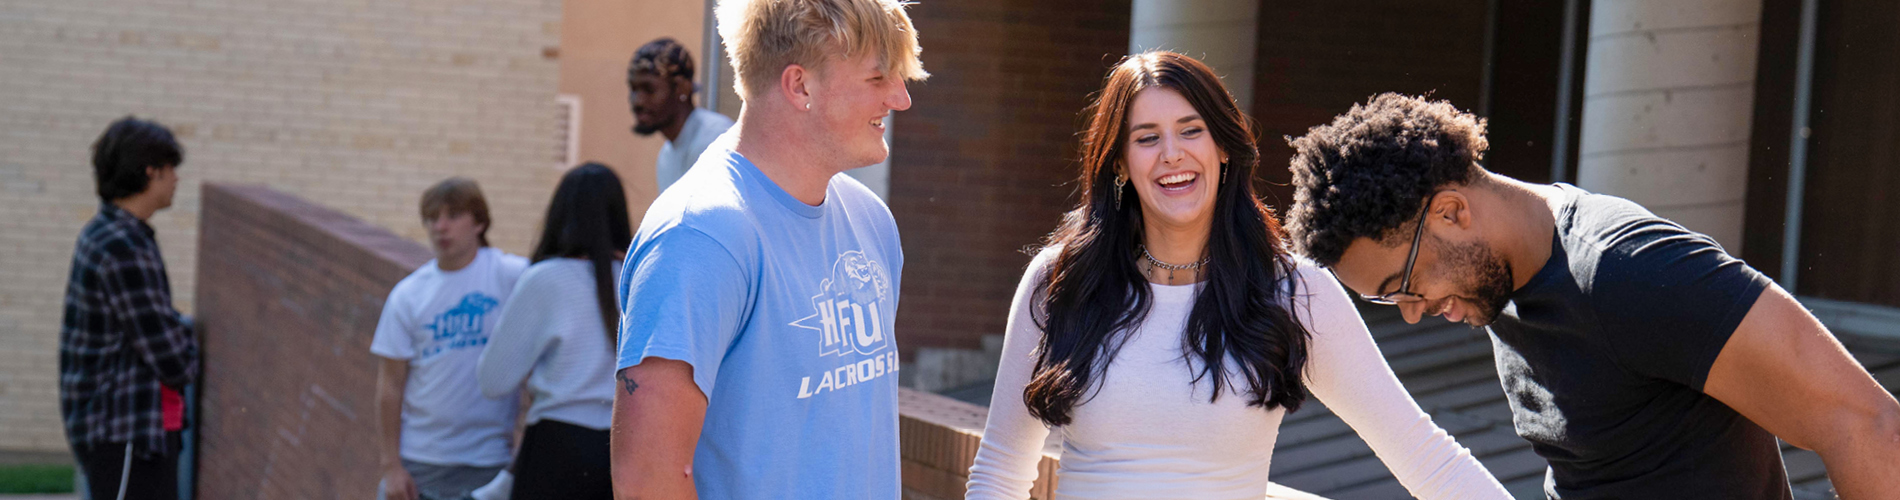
(785, 311)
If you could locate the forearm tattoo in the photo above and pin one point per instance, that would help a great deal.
(626, 382)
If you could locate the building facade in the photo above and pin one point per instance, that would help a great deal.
(359, 105)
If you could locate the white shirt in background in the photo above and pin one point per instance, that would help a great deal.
(677, 156)
(1149, 432)
(551, 335)
(439, 321)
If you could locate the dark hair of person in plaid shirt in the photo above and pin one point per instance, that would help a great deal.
(125, 150)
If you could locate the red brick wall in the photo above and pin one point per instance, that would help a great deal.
(940, 437)
(1316, 59)
(981, 163)
(288, 296)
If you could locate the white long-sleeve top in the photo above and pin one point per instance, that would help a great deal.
(1149, 432)
(550, 333)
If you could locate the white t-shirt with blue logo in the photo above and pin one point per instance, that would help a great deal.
(785, 311)
(440, 321)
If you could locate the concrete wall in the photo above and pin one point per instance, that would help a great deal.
(290, 298)
(359, 104)
(1668, 94)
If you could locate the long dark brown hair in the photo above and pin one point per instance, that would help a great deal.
(1093, 292)
(587, 219)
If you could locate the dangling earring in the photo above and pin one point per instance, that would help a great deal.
(1120, 182)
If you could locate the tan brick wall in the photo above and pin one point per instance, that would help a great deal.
(354, 104)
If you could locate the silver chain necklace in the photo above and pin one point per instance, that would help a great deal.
(1157, 263)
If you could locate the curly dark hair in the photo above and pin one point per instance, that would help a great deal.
(123, 152)
(1366, 173)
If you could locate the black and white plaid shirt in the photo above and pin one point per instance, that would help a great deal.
(120, 338)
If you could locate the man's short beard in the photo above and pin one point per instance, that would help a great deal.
(644, 129)
(1489, 285)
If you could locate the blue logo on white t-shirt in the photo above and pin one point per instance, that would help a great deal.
(460, 327)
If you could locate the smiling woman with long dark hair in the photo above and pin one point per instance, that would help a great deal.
(1165, 329)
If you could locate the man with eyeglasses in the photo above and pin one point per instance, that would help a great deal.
(1638, 357)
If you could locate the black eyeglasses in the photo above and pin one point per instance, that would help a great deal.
(1404, 293)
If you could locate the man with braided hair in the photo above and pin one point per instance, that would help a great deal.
(660, 89)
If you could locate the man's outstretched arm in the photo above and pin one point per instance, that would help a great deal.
(1783, 370)
(658, 413)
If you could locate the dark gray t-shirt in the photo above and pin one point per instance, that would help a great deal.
(1604, 352)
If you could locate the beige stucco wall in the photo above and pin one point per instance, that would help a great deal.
(356, 104)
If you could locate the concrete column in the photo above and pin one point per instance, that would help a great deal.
(1221, 33)
(1668, 95)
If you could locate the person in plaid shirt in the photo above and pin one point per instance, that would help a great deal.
(124, 353)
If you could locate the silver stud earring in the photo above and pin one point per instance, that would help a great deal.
(1120, 183)
(682, 98)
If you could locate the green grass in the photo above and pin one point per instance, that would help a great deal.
(36, 479)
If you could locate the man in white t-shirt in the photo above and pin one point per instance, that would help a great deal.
(660, 89)
(440, 437)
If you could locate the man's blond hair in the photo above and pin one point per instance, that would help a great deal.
(762, 37)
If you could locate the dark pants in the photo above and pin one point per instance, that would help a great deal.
(154, 478)
(559, 460)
